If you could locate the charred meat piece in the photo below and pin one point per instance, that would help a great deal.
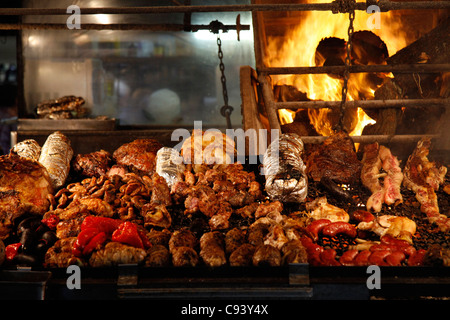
(157, 256)
(139, 155)
(67, 107)
(182, 238)
(95, 164)
(294, 252)
(266, 255)
(242, 256)
(335, 158)
(60, 254)
(24, 188)
(184, 257)
(234, 238)
(156, 215)
(115, 253)
(212, 249)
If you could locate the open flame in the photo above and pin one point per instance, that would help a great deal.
(298, 48)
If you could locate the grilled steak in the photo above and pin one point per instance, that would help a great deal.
(94, 164)
(139, 155)
(335, 158)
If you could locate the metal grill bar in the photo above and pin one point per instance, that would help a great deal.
(362, 6)
(365, 104)
(399, 68)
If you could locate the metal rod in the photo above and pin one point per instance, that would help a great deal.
(362, 6)
(400, 68)
(365, 104)
(113, 26)
(373, 138)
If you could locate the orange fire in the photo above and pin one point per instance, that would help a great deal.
(298, 48)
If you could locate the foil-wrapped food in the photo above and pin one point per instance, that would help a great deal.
(29, 149)
(169, 165)
(284, 169)
(56, 155)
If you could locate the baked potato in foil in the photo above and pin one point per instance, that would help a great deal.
(284, 169)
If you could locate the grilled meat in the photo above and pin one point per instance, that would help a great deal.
(267, 255)
(66, 107)
(139, 155)
(25, 187)
(376, 157)
(156, 215)
(115, 253)
(423, 177)
(56, 155)
(321, 209)
(234, 238)
(157, 256)
(94, 164)
(60, 254)
(294, 252)
(335, 158)
(212, 249)
(242, 256)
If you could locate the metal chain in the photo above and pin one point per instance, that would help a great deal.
(349, 49)
(226, 110)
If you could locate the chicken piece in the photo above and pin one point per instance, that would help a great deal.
(212, 249)
(268, 207)
(139, 155)
(424, 177)
(56, 155)
(219, 220)
(397, 227)
(60, 254)
(115, 253)
(321, 209)
(156, 215)
(248, 211)
(70, 227)
(370, 174)
(276, 236)
(94, 164)
(267, 255)
(25, 187)
(157, 256)
(96, 206)
(234, 238)
(242, 256)
(294, 252)
(335, 158)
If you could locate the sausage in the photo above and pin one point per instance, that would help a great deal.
(362, 259)
(363, 216)
(348, 257)
(377, 257)
(416, 259)
(316, 226)
(328, 258)
(395, 258)
(339, 227)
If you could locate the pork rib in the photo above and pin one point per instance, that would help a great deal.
(424, 177)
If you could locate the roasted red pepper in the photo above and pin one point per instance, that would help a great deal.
(11, 250)
(51, 221)
(95, 242)
(102, 224)
(127, 233)
(82, 241)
